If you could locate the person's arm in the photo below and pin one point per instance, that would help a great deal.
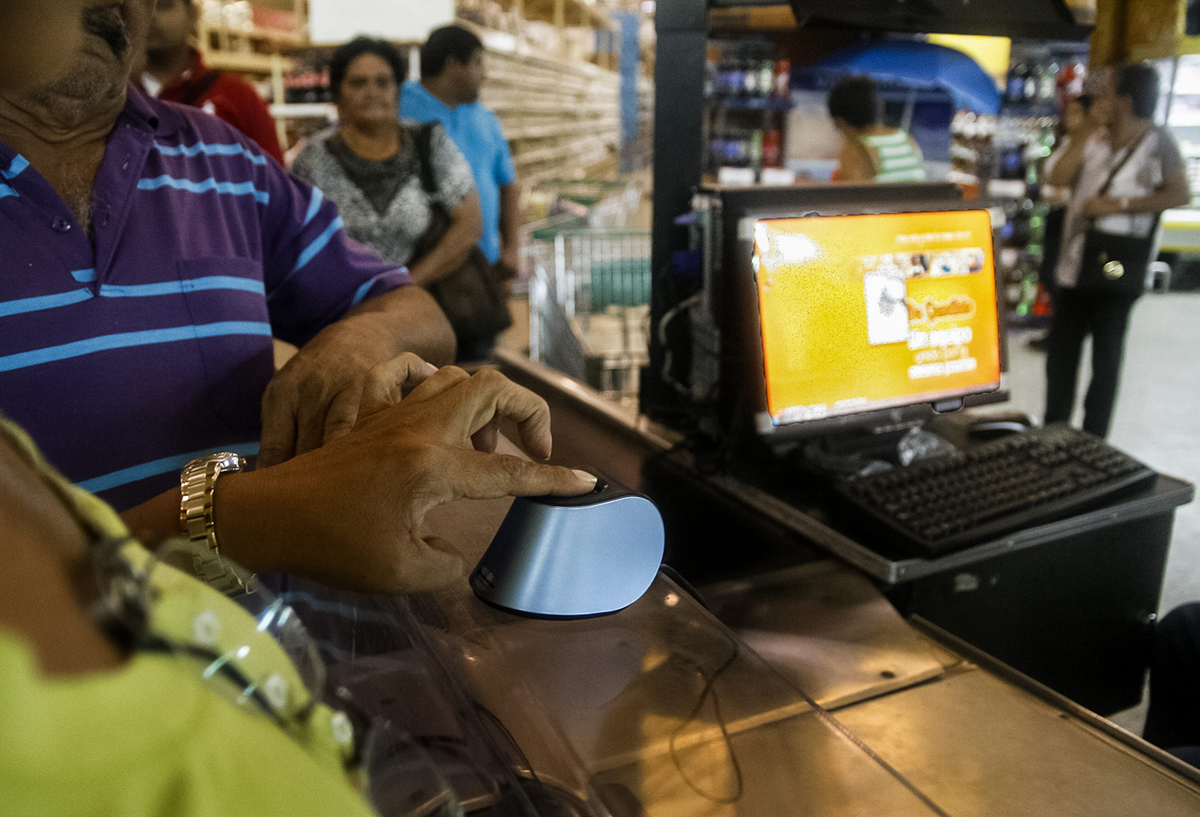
(349, 514)
(45, 572)
(315, 397)
(1066, 165)
(345, 308)
(854, 164)
(466, 225)
(510, 229)
(1064, 169)
(1174, 191)
(505, 172)
(454, 190)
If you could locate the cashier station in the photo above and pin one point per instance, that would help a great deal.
(789, 659)
(820, 665)
(784, 661)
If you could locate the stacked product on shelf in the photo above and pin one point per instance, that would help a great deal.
(747, 89)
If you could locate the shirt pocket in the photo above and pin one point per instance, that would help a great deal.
(227, 307)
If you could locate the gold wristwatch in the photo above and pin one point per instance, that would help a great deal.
(197, 482)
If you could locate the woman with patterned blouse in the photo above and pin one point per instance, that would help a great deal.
(369, 166)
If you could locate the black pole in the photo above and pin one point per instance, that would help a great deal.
(682, 28)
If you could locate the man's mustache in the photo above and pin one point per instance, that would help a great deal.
(108, 24)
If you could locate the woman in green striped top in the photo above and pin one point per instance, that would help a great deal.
(871, 151)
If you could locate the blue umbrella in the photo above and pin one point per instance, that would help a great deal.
(913, 64)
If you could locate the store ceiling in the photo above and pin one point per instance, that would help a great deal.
(1032, 19)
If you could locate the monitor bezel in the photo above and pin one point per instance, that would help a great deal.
(893, 412)
(744, 381)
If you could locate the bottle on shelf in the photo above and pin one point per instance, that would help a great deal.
(754, 149)
(1070, 82)
(749, 79)
(772, 148)
(1014, 90)
(782, 82)
(735, 79)
(1047, 84)
(1030, 87)
(766, 79)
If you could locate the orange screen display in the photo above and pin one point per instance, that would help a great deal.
(871, 311)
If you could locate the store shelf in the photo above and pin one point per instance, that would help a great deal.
(247, 62)
(562, 13)
(241, 44)
(751, 104)
(755, 18)
(558, 129)
(305, 110)
(256, 34)
(561, 119)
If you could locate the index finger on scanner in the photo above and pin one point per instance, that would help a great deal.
(490, 476)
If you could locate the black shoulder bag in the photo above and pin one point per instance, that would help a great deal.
(1115, 265)
(473, 297)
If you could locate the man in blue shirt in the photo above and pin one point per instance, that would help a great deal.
(448, 92)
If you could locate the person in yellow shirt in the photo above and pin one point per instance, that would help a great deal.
(128, 687)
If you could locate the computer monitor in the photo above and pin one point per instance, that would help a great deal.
(860, 316)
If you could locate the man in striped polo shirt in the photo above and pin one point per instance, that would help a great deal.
(150, 253)
(871, 151)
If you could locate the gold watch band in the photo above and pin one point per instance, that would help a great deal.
(197, 483)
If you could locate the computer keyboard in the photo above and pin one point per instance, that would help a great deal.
(948, 503)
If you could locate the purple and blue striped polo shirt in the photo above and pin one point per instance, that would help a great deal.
(127, 353)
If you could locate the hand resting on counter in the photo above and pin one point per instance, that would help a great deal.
(349, 514)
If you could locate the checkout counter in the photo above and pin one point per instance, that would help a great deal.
(815, 672)
(797, 691)
(809, 675)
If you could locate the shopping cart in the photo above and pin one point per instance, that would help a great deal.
(589, 295)
(607, 203)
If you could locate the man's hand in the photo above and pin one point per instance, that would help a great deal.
(315, 397)
(349, 514)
